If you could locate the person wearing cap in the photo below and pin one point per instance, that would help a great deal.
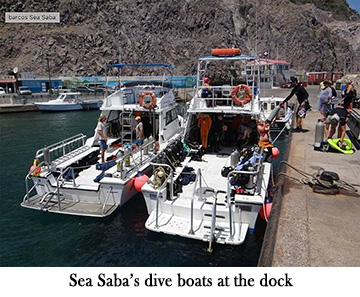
(206, 91)
(101, 136)
(139, 131)
(302, 96)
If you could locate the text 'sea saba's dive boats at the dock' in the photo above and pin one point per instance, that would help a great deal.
(67, 176)
(214, 189)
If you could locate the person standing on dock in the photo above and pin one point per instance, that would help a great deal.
(101, 135)
(302, 96)
(324, 100)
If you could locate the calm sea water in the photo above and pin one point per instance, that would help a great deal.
(32, 238)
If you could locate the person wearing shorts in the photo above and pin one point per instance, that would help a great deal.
(302, 96)
(139, 132)
(101, 134)
(337, 117)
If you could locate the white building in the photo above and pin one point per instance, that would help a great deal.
(273, 73)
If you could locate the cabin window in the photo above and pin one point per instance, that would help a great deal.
(171, 116)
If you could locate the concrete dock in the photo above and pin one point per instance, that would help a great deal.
(308, 229)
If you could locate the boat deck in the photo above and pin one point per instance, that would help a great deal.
(71, 207)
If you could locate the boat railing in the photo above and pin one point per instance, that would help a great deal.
(61, 148)
(27, 178)
(217, 96)
(107, 198)
(197, 180)
(139, 156)
(256, 171)
(213, 220)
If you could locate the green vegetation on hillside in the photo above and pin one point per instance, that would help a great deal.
(339, 8)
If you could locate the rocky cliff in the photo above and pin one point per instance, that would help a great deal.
(94, 33)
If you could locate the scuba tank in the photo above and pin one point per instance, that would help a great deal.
(319, 133)
(119, 166)
(146, 148)
(151, 147)
(234, 158)
(273, 114)
(127, 158)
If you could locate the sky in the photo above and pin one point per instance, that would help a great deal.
(354, 4)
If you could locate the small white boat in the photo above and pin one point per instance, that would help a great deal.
(284, 116)
(65, 102)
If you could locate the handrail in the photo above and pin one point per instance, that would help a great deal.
(213, 220)
(61, 144)
(198, 175)
(107, 198)
(131, 155)
(27, 177)
(228, 200)
(65, 146)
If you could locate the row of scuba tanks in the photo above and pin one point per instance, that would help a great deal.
(242, 161)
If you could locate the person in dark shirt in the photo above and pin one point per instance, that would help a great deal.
(349, 94)
(339, 115)
(302, 96)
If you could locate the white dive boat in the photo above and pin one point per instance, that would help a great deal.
(67, 177)
(229, 188)
(68, 102)
(284, 116)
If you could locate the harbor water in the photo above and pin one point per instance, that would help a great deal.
(39, 239)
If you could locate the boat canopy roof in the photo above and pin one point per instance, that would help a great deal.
(122, 65)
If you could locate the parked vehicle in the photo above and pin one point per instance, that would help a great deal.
(83, 89)
(24, 90)
(60, 89)
(2, 91)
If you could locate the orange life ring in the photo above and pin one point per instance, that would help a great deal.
(244, 98)
(148, 104)
(225, 51)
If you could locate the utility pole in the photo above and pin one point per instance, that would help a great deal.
(48, 69)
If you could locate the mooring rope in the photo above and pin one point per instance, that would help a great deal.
(315, 179)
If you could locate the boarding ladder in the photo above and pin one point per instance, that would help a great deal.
(126, 119)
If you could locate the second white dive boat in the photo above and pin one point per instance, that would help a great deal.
(213, 192)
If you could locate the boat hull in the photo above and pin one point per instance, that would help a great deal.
(58, 107)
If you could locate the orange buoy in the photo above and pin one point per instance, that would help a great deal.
(264, 214)
(225, 51)
(139, 181)
(243, 99)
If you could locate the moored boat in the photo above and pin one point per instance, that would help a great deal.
(69, 102)
(216, 187)
(67, 176)
(64, 102)
(284, 114)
